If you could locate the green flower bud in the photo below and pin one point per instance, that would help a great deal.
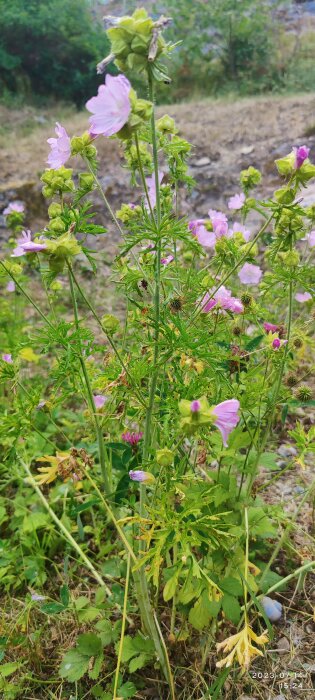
(285, 166)
(246, 299)
(167, 125)
(86, 182)
(165, 457)
(250, 178)
(195, 414)
(110, 324)
(57, 225)
(285, 195)
(55, 286)
(54, 210)
(291, 258)
(63, 247)
(126, 213)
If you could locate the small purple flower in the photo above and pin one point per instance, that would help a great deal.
(195, 406)
(37, 597)
(250, 274)
(235, 305)
(132, 438)
(14, 207)
(167, 260)
(301, 297)
(41, 404)
(26, 245)
(311, 239)
(99, 400)
(152, 188)
(237, 201)
(7, 357)
(219, 222)
(272, 608)
(276, 343)
(111, 107)
(301, 154)
(223, 298)
(60, 148)
(227, 418)
(10, 286)
(270, 327)
(139, 475)
(206, 238)
(240, 228)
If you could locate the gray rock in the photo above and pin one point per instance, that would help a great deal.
(287, 451)
(283, 645)
(247, 150)
(201, 162)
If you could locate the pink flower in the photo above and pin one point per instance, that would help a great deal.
(277, 343)
(99, 400)
(60, 148)
(152, 189)
(270, 327)
(223, 298)
(17, 207)
(311, 239)
(250, 274)
(195, 406)
(240, 228)
(10, 286)
(235, 305)
(219, 222)
(26, 245)
(227, 417)
(301, 297)
(301, 154)
(237, 201)
(111, 107)
(132, 438)
(7, 357)
(205, 238)
(167, 260)
(139, 475)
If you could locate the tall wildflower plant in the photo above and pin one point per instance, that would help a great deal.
(168, 434)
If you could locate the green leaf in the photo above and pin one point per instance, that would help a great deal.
(203, 610)
(52, 608)
(268, 460)
(74, 665)
(105, 631)
(64, 595)
(232, 585)
(35, 521)
(139, 662)
(95, 671)
(9, 668)
(171, 587)
(269, 580)
(231, 608)
(127, 690)
(89, 644)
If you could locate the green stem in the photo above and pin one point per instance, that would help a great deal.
(103, 195)
(33, 303)
(144, 182)
(91, 403)
(64, 530)
(121, 643)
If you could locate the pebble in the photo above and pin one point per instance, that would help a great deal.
(287, 451)
(283, 645)
(201, 162)
(246, 150)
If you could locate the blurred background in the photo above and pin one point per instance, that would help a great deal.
(242, 92)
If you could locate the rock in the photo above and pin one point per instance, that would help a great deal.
(287, 451)
(278, 697)
(283, 645)
(201, 162)
(246, 150)
(40, 119)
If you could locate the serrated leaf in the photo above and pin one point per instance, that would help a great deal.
(95, 671)
(74, 665)
(203, 610)
(89, 644)
(139, 662)
(170, 587)
(35, 521)
(105, 632)
(64, 595)
(52, 608)
(232, 585)
(268, 460)
(127, 690)
(231, 608)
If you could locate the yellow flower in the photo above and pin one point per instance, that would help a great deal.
(240, 645)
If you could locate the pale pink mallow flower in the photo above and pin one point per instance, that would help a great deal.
(222, 298)
(237, 201)
(140, 475)
(111, 107)
(206, 238)
(311, 239)
(270, 327)
(14, 208)
(7, 357)
(250, 274)
(227, 418)
(26, 245)
(301, 154)
(152, 188)
(167, 260)
(240, 228)
(301, 297)
(219, 222)
(60, 148)
(99, 400)
(10, 286)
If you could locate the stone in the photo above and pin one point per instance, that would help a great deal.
(283, 645)
(247, 150)
(287, 451)
(201, 162)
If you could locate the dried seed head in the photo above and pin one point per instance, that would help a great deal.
(298, 342)
(176, 305)
(303, 393)
(246, 299)
(236, 330)
(291, 379)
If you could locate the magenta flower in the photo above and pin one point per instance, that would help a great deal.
(60, 148)
(14, 207)
(301, 154)
(205, 238)
(139, 475)
(301, 297)
(237, 201)
(311, 239)
(276, 343)
(7, 357)
(270, 327)
(250, 274)
(152, 189)
(167, 260)
(219, 222)
(26, 245)
(132, 438)
(111, 107)
(235, 305)
(240, 228)
(195, 406)
(10, 286)
(99, 400)
(223, 298)
(227, 418)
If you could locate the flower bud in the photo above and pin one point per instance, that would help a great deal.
(304, 393)
(290, 258)
(165, 457)
(54, 210)
(250, 178)
(246, 299)
(86, 182)
(110, 324)
(63, 247)
(57, 225)
(167, 125)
